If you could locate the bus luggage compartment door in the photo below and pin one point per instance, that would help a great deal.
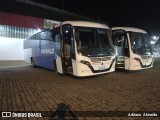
(59, 65)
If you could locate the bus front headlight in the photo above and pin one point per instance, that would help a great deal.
(85, 62)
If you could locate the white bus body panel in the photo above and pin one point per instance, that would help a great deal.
(127, 63)
(136, 65)
(86, 24)
(84, 70)
(74, 67)
(59, 64)
(129, 29)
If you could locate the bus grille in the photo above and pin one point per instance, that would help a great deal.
(100, 59)
(146, 57)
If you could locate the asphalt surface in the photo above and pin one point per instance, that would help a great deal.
(23, 88)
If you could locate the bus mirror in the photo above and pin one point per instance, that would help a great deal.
(121, 39)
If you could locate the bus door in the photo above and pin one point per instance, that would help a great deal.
(126, 52)
(57, 65)
(67, 51)
(121, 42)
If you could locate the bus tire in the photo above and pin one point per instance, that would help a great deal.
(33, 63)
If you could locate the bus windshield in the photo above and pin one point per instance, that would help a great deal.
(93, 41)
(140, 43)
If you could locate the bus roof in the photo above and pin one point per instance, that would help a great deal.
(129, 29)
(86, 24)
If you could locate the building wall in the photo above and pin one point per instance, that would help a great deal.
(28, 55)
(14, 29)
(16, 32)
(21, 20)
(11, 49)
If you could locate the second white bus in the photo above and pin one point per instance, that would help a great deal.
(133, 48)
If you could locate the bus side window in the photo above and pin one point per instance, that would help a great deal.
(114, 38)
(49, 35)
(67, 35)
(67, 32)
(56, 34)
(57, 37)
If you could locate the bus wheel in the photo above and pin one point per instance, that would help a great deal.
(32, 63)
(55, 67)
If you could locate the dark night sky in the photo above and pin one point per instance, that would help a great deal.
(144, 14)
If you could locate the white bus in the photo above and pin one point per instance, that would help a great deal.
(133, 48)
(77, 47)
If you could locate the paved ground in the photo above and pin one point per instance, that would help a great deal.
(9, 63)
(24, 88)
